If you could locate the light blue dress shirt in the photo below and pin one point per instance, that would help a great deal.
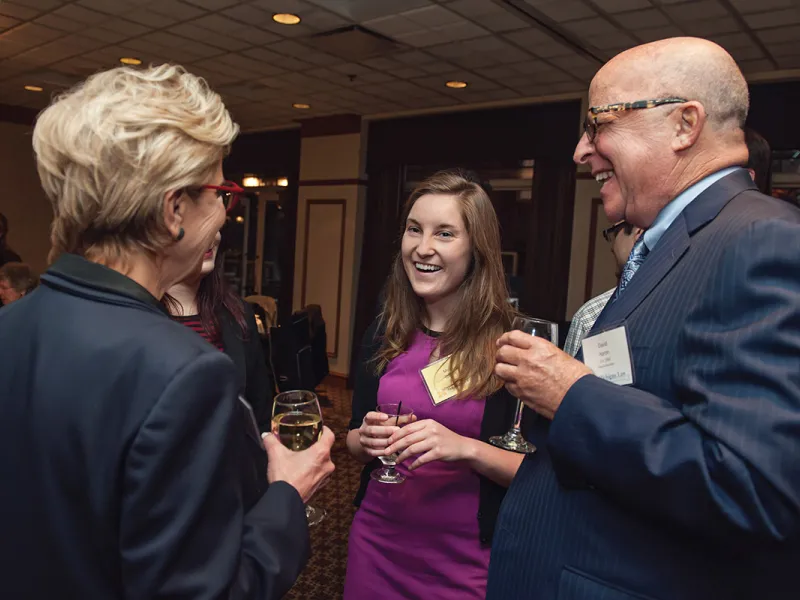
(671, 211)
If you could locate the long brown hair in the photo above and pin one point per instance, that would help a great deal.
(213, 296)
(484, 311)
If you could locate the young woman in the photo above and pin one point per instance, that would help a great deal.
(429, 537)
(204, 302)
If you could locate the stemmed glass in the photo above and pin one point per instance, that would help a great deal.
(400, 415)
(513, 439)
(297, 421)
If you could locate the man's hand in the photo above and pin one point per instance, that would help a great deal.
(307, 470)
(536, 371)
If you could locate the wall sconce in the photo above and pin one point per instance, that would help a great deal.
(251, 181)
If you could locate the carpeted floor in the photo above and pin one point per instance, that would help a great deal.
(323, 578)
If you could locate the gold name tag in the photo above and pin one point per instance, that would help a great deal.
(439, 381)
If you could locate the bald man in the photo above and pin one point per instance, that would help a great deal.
(669, 451)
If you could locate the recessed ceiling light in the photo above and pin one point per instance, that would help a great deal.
(129, 60)
(286, 18)
(240, 219)
(301, 106)
(456, 84)
(33, 88)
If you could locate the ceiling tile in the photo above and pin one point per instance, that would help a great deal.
(491, 16)
(176, 10)
(212, 4)
(611, 41)
(776, 18)
(780, 34)
(658, 33)
(407, 72)
(435, 68)
(591, 27)
(102, 34)
(9, 22)
(642, 19)
(112, 7)
(751, 6)
(44, 4)
(755, 66)
(77, 13)
(784, 49)
(528, 38)
(364, 10)
(248, 14)
(432, 17)
(789, 62)
(18, 11)
(256, 36)
(146, 17)
(689, 11)
(746, 53)
(706, 27)
(732, 40)
(566, 10)
(56, 22)
(126, 28)
(616, 6)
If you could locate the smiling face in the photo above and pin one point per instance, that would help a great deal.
(436, 248)
(210, 256)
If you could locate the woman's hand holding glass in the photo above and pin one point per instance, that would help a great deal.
(429, 441)
(375, 431)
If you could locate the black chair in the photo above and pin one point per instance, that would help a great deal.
(293, 356)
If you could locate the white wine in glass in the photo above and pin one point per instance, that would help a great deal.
(513, 439)
(297, 421)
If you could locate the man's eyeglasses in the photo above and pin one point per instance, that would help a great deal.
(590, 123)
(609, 233)
(228, 192)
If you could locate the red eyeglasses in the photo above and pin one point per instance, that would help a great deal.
(228, 192)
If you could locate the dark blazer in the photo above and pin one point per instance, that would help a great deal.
(128, 466)
(252, 373)
(685, 485)
(498, 417)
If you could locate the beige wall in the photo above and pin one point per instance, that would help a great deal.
(22, 200)
(333, 215)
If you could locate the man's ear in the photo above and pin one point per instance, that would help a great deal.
(691, 120)
(174, 207)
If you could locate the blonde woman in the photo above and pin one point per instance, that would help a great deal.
(130, 468)
(429, 537)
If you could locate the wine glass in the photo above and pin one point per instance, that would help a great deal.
(297, 421)
(400, 415)
(513, 439)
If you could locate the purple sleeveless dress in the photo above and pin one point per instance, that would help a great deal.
(419, 538)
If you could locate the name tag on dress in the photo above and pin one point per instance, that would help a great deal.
(609, 356)
(438, 380)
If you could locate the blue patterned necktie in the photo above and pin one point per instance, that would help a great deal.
(635, 260)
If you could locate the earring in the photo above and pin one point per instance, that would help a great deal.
(181, 233)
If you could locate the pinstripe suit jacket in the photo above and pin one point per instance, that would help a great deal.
(686, 485)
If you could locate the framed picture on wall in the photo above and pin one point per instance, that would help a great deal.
(510, 262)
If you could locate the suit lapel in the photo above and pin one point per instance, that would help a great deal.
(673, 245)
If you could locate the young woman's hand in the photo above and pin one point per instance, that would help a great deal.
(429, 441)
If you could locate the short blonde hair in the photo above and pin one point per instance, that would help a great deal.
(109, 149)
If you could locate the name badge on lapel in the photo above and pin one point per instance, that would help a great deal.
(608, 355)
(439, 381)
